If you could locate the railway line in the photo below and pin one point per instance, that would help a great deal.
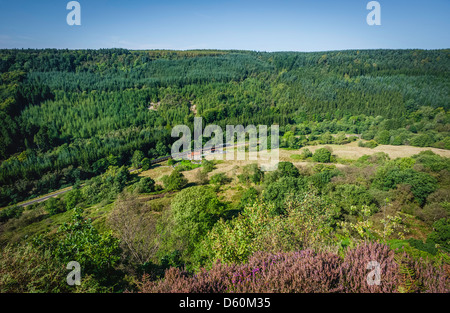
(155, 161)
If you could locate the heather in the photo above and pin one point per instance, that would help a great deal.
(307, 271)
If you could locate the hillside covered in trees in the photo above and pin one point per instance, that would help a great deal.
(64, 113)
(84, 118)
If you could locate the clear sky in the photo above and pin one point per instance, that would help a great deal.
(276, 25)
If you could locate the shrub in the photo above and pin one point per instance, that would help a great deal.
(341, 139)
(304, 224)
(186, 165)
(73, 198)
(326, 138)
(432, 161)
(208, 166)
(287, 169)
(179, 281)
(55, 206)
(202, 177)
(320, 180)
(293, 272)
(306, 153)
(78, 240)
(296, 157)
(146, 164)
(368, 135)
(219, 179)
(440, 234)
(194, 212)
(26, 269)
(174, 181)
(310, 272)
(346, 196)
(145, 185)
(354, 270)
(136, 160)
(11, 212)
(369, 144)
(422, 184)
(376, 158)
(248, 198)
(251, 173)
(284, 169)
(433, 212)
(135, 227)
(322, 155)
(423, 140)
(419, 245)
(276, 192)
(383, 137)
(171, 162)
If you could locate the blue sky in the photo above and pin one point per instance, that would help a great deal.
(282, 25)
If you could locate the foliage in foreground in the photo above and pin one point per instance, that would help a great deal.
(307, 271)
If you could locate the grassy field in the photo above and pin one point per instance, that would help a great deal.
(232, 168)
(353, 152)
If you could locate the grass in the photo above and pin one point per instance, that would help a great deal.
(296, 157)
(349, 152)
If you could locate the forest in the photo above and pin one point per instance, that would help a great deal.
(93, 120)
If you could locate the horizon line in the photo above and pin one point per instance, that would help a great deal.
(229, 50)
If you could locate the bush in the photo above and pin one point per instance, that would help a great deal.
(306, 153)
(419, 245)
(175, 181)
(251, 173)
(308, 271)
(322, 155)
(248, 198)
(208, 166)
(423, 140)
(383, 137)
(11, 212)
(146, 164)
(277, 192)
(441, 234)
(287, 169)
(145, 185)
(369, 144)
(135, 226)
(202, 177)
(422, 184)
(55, 206)
(376, 158)
(186, 165)
(432, 161)
(219, 179)
(194, 212)
(304, 224)
(73, 198)
(79, 241)
(136, 160)
(26, 269)
(354, 269)
(348, 196)
(320, 180)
